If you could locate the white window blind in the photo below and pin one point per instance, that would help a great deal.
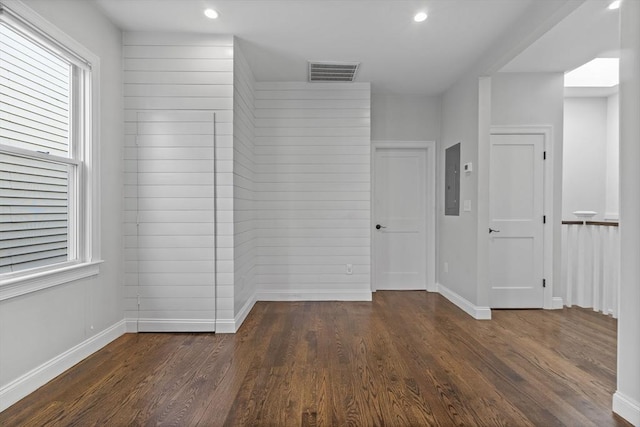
(37, 165)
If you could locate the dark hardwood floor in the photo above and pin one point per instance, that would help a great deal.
(406, 359)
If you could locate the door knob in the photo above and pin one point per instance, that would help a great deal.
(378, 226)
(491, 230)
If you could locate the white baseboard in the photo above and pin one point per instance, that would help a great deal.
(225, 326)
(478, 313)
(130, 325)
(20, 387)
(231, 326)
(176, 325)
(557, 303)
(244, 312)
(314, 295)
(627, 408)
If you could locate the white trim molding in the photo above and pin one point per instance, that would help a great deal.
(22, 386)
(47, 279)
(176, 325)
(478, 313)
(557, 303)
(627, 408)
(314, 295)
(88, 117)
(430, 148)
(548, 204)
(243, 313)
(225, 326)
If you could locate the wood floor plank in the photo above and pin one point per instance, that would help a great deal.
(404, 359)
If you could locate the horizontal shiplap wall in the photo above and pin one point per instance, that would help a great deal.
(312, 190)
(245, 249)
(175, 81)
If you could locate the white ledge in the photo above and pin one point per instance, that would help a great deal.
(26, 284)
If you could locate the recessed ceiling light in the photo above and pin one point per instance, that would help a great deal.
(614, 5)
(210, 13)
(420, 16)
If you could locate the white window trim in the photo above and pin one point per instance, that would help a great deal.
(21, 283)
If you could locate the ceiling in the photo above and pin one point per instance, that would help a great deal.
(397, 55)
(591, 31)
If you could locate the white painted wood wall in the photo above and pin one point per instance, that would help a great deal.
(591, 267)
(312, 190)
(292, 187)
(170, 264)
(244, 226)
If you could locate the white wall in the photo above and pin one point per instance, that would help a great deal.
(536, 99)
(457, 235)
(37, 327)
(312, 183)
(626, 400)
(405, 117)
(244, 239)
(591, 151)
(176, 74)
(612, 191)
(585, 153)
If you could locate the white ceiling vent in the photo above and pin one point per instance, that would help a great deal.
(332, 71)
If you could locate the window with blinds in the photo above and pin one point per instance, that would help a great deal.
(39, 166)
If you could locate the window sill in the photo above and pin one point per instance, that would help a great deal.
(47, 279)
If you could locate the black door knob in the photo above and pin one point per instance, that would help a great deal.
(378, 226)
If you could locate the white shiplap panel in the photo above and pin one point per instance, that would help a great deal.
(299, 86)
(183, 64)
(188, 52)
(312, 177)
(283, 150)
(313, 122)
(312, 269)
(345, 205)
(292, 196)
(245, 251)
(200, 90)
(338, 93)
(171, 242)
(312, 183)
(133, 38)
(329, 280)
(313, 140)
(224, 116)
(178, 78)
(176, 103)
(174, 83)
(316, 168)
(313, 113)
(312, 103)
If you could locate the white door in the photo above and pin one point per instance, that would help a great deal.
(399, 233)
(516, 221)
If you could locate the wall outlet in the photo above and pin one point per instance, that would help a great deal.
(446, 267)
(349, 268)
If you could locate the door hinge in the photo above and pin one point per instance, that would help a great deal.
(544, 155)
(544, 283)
(544, 219)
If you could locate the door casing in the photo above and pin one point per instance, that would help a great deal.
(430, 149)
(548, 203)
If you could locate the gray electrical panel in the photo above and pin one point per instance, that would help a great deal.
(452, 180)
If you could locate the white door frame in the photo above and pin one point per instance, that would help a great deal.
(430, 149)
(548, 207)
